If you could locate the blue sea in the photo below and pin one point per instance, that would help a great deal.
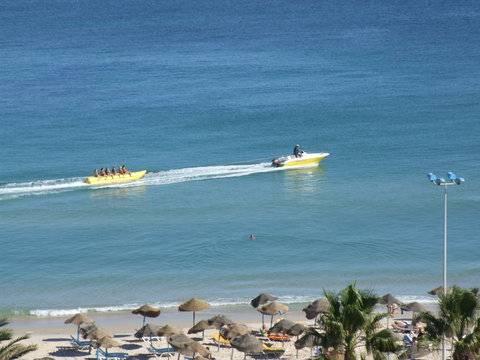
(203, 94)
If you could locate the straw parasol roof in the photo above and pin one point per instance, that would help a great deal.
(262, 299)
(107, 342)
(296, 329)
(97, 334)
(196, 348)
(437, 291)
(78, 319)
(168, 330)
(282, 326)
(218, 321)
(315, 308)
(178, 341)
(147, 310)
(310, 339)
(389, 299)
(147, 330)
(415, 307)
(86, 328)
(247, 344)
(194, 304)
(273, 308)
(186, 346)
(234, 330)
(200, 326)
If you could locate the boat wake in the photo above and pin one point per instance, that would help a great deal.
(41, 187)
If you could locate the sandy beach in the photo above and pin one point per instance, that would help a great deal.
(52, 336)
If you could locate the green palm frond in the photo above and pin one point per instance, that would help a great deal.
(5, 334)
(13, 349)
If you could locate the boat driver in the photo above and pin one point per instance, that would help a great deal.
(297, 152)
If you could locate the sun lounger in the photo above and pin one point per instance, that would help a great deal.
(149, 339)
(103, 355)
(79, 344)
(219, 340)
(272, 352)
(161, 353)
(278, 337)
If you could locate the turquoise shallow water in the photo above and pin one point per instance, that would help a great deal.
(203, 96)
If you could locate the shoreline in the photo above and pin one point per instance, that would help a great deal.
(227, 306)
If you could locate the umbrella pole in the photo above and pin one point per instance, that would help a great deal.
(143, 324)
(271, 322)
(194, 318)
(78, 332)
(296, 350)
(203, 335)
(178, 358)
(231, 355)
(263, 321)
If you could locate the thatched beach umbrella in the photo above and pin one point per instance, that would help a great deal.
(389, 300)
(218, 321)
(87, 328)
(186, 346)
(437, 291)
(310, 339)
(194, 305)
(282, 326)
(147, 311)
(233, 330)
(316, 308)
(147, 330)
(296, 330)
(106, 342)
(273, 308)
(201, 326)
(97, 334)
(248, 344)
(78, 319)
(262, 299)
(414, 307)
(168, 330)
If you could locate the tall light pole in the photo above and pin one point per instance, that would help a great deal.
(452, 180)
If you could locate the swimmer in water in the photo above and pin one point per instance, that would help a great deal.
(252, 237)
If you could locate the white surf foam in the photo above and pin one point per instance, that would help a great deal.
(41, 187)
(214, 303)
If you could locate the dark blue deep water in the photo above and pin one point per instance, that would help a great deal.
(203, 94)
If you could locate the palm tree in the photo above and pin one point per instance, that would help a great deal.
(350, 324)
(13, 349)
(458, 321)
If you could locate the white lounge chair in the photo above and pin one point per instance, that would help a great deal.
(161, 353)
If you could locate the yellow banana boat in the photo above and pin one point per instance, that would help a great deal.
(303, 161)
(115, 179)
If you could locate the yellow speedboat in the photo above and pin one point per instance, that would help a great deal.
(115, 179)
(302, 161)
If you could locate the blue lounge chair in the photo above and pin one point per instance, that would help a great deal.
(104, 355)
(79, 344)
(163, 352)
